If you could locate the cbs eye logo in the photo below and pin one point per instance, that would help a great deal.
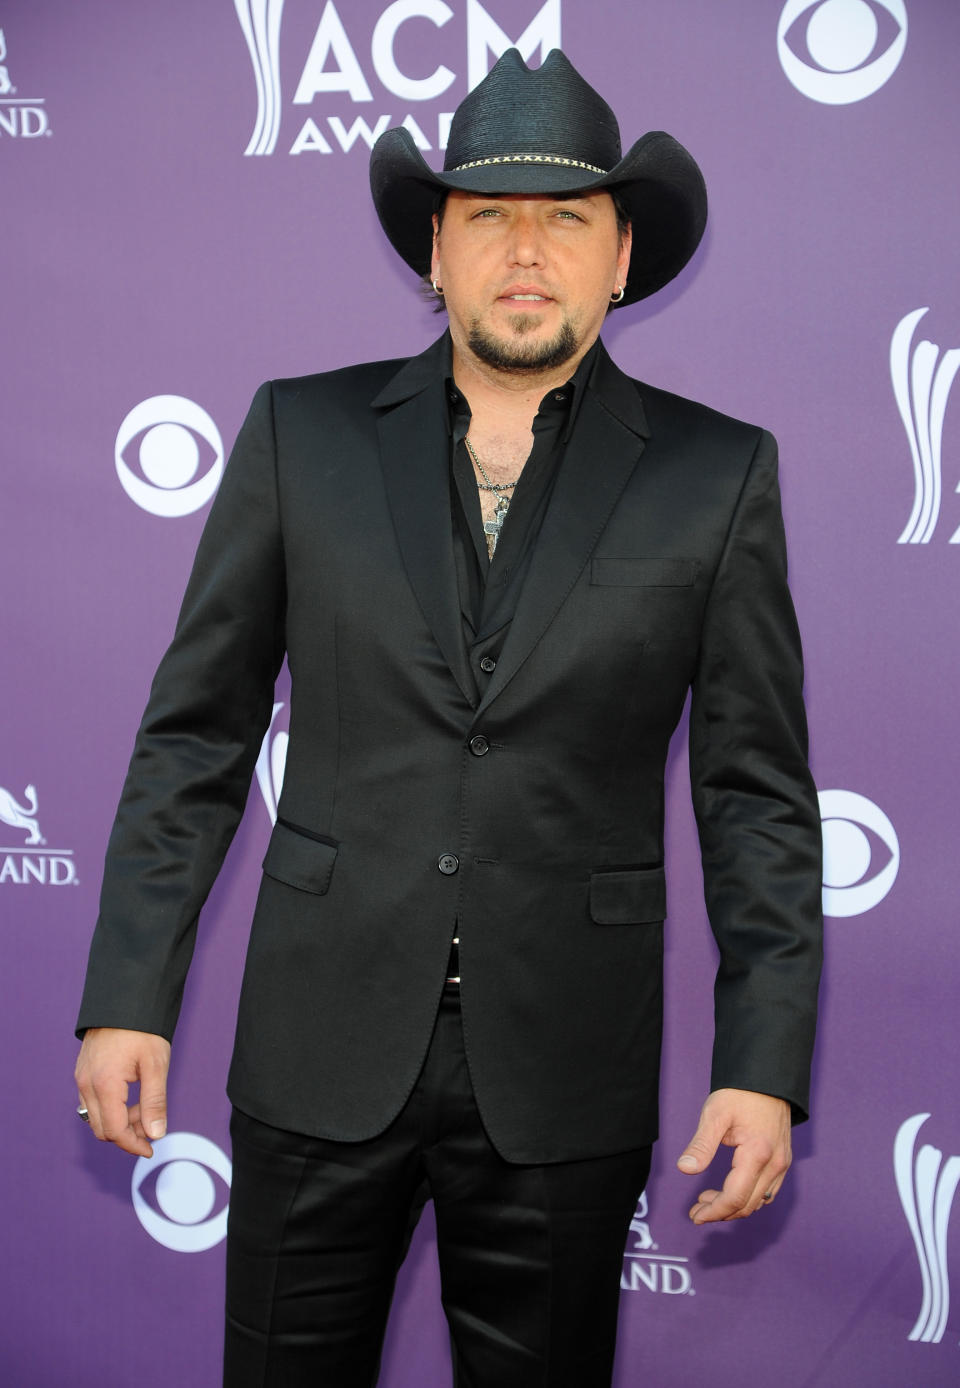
(271, 764)
(856, 874)
(175, 1194)
(165, 480)
(845, 50)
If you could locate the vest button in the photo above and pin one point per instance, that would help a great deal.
(448, 864)
(479, 745)
(488, 664)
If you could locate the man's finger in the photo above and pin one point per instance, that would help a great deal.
(153, 1098)
(94, 1123)
(733, 1201)
(769, 1193)
(115, 1120)
(135, 1121)
(108, 1113)
(702, 1147)
(749, 1181)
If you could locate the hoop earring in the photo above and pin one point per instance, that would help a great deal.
(618, 297)
(437, 288)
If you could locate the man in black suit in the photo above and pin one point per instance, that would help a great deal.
(496, 570)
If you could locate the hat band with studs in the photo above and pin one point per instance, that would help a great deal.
(529, 159)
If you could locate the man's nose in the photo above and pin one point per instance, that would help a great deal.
(526, 241)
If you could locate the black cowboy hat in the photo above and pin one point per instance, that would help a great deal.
(545, 131)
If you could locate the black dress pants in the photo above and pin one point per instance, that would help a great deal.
(530, 1256)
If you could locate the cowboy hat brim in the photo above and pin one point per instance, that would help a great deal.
(658, 183)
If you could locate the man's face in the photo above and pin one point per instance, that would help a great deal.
(527, 279)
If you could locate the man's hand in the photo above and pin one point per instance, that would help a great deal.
(757, 1126)
(110, 1061)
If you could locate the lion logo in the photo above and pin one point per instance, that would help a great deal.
(5, 84)
(21, 816)
(640, 1227)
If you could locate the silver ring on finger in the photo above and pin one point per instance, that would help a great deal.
(83, 1113)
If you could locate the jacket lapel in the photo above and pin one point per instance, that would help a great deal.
(606, 442)
(415, 457)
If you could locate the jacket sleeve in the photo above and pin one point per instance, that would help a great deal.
(756, 806)
(195, 751)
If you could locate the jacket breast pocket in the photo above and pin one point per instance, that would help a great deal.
(300, 859)
(628, 896)
(640, 572)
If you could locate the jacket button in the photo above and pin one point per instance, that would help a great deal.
(448, 864)
(479, 745)
(488, 665)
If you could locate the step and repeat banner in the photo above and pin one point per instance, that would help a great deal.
(185, 214)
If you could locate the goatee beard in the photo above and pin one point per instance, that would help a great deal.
(524, 357)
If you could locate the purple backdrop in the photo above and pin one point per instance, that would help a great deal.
(185, 213)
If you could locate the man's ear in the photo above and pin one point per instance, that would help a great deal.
(623, 255)
(435, 253)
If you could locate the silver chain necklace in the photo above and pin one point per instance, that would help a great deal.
(492, 528)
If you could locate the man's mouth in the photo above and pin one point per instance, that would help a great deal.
(524, 296)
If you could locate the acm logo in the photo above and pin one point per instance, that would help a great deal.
(927, 1186)
(922, 378)
(340, 65)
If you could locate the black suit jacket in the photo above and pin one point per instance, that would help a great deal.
(660, 565)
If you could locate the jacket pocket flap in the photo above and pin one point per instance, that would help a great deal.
(647, 573)
(299, 860)
(631, 896)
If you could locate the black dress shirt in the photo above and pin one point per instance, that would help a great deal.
(489, 588)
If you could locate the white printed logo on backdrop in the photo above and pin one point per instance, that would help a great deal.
(927, 1185)
(30, 862)
(645, 1267)
(165, 481)
(850, 48)
(6, 86)
(337, 65)
(272, 762)
(21, 117)
(174, 1193)
(921, 384)
(852, 882)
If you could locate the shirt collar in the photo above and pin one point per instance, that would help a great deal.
(565, 399)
